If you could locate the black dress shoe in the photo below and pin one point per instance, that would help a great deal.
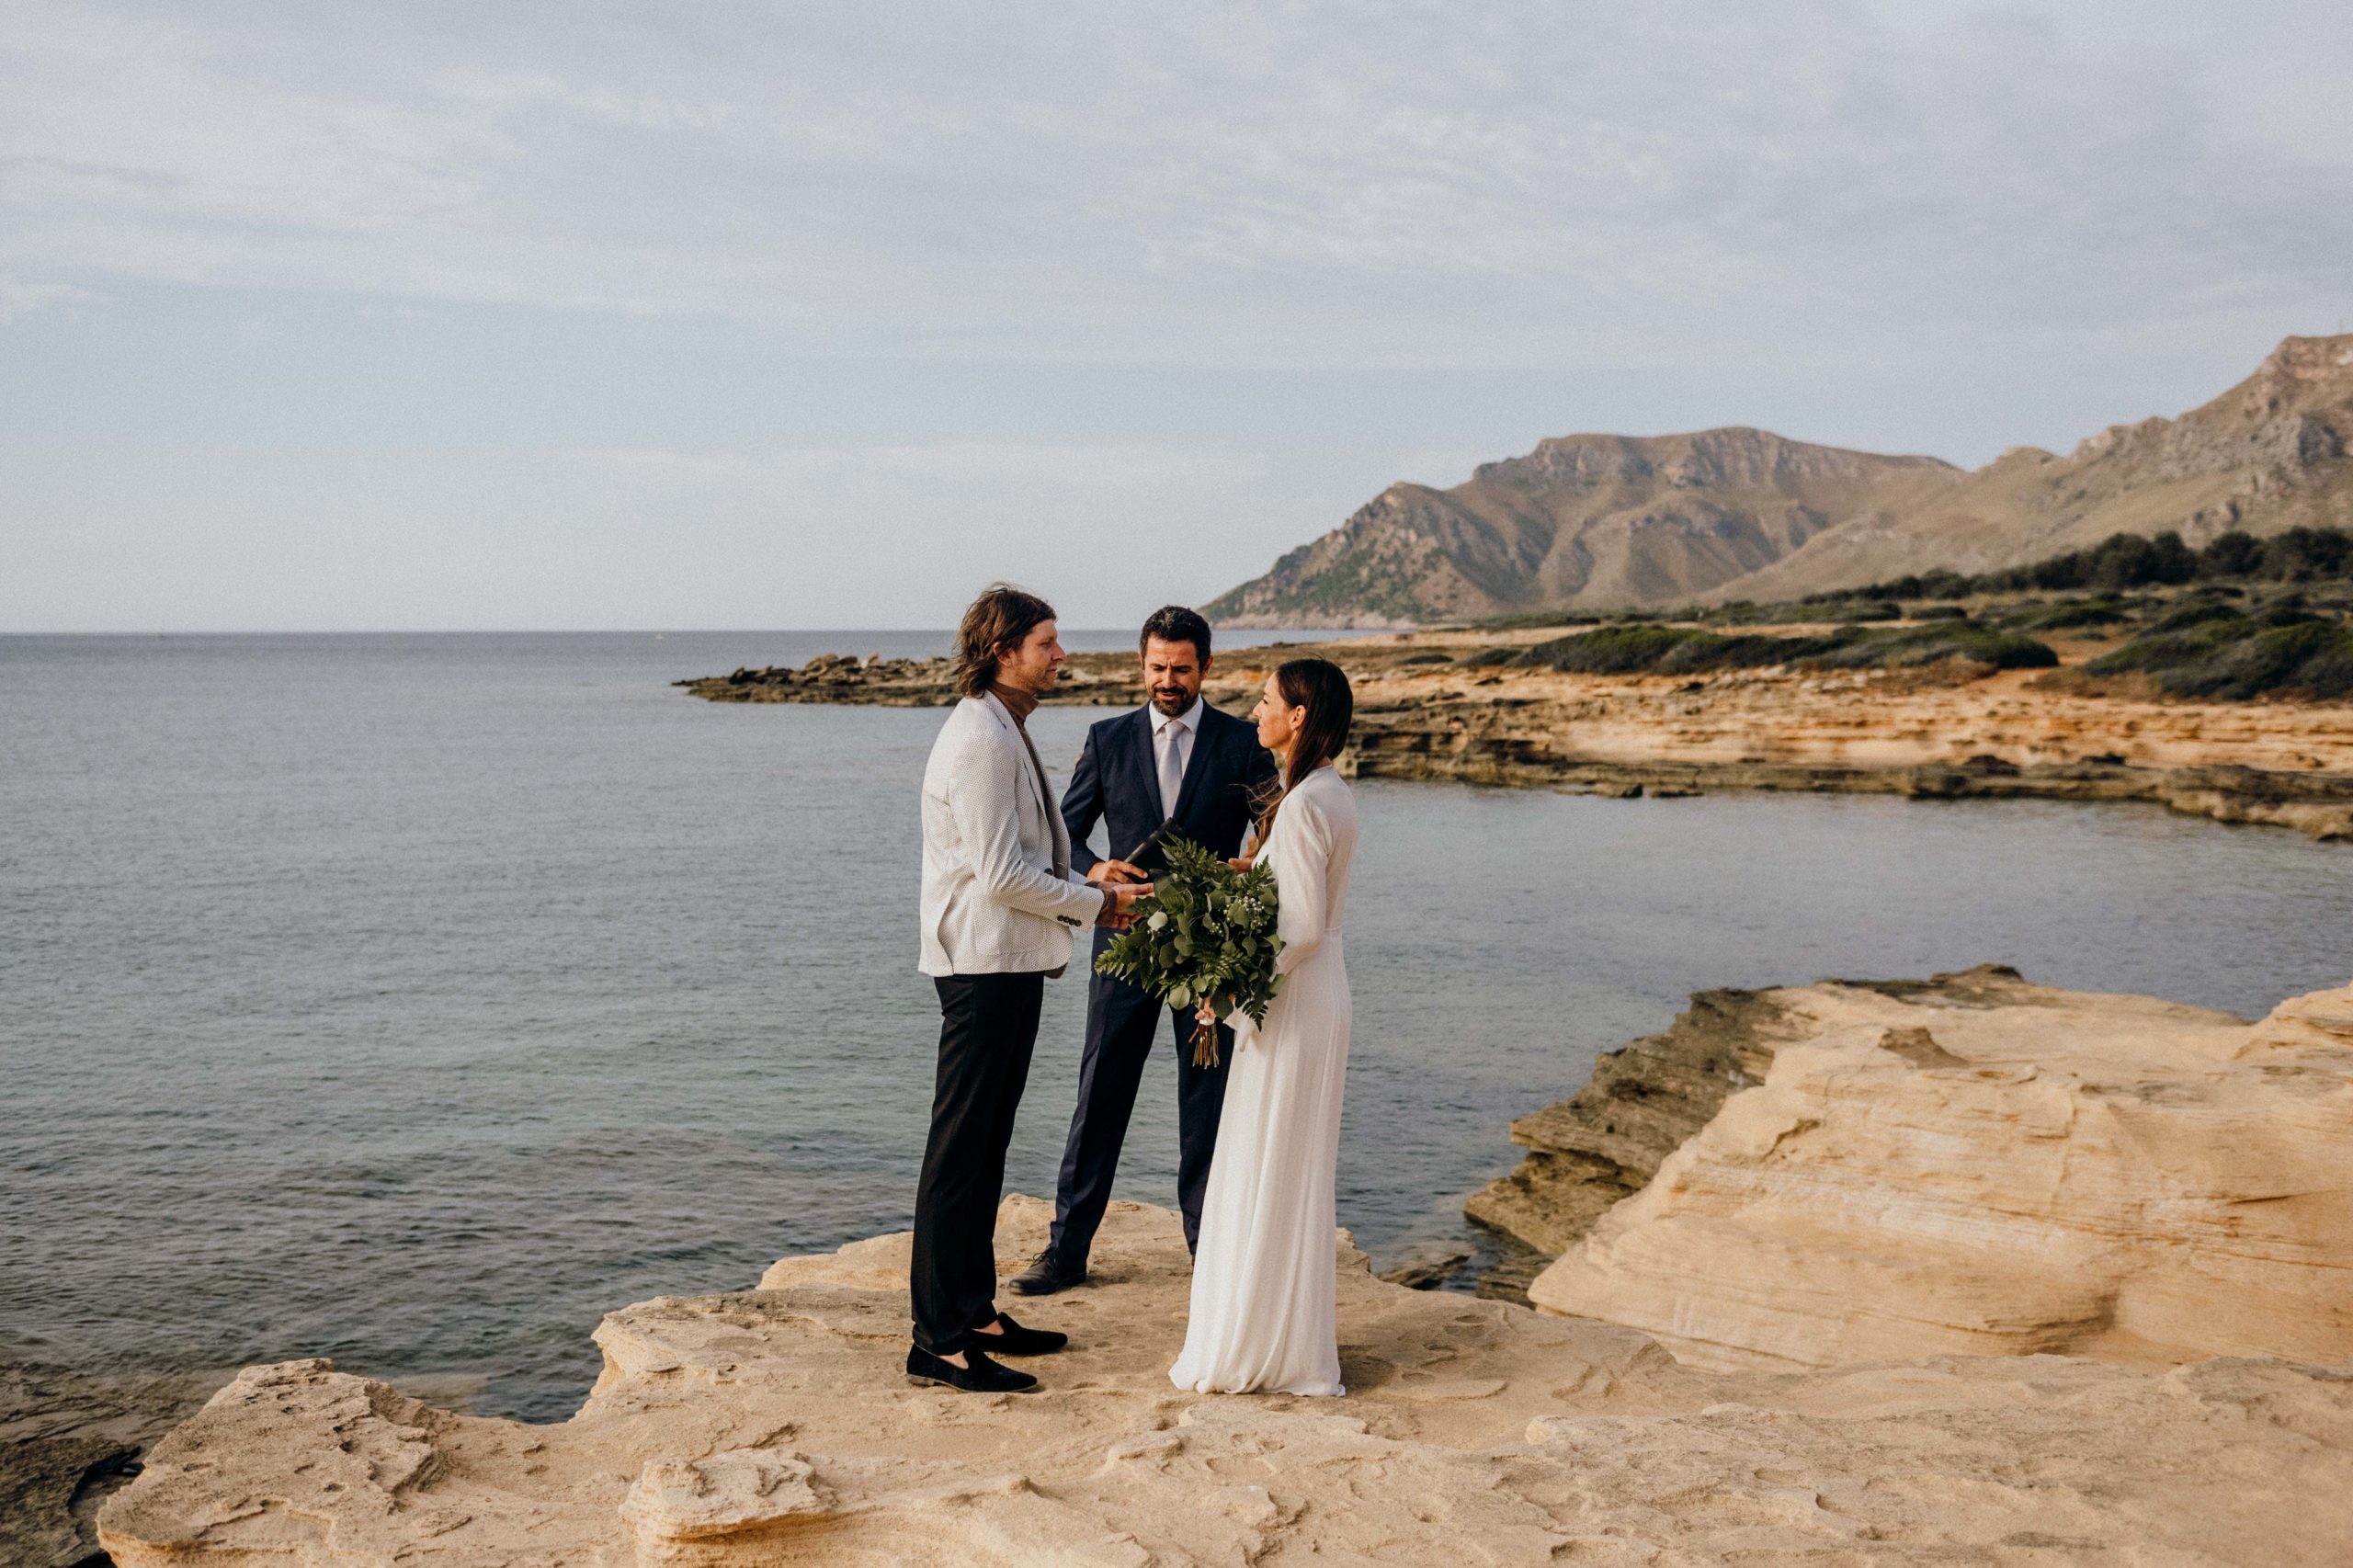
(1046, 1275)
(980, 1376)
(1012, 1339)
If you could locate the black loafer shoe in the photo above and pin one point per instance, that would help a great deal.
(1012, 1339)
(1046, 1275)
(982, 1376)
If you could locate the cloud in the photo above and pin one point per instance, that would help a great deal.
(22, 298)
(1391, 184)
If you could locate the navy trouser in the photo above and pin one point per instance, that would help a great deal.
(987, 1025)
(1121, 1020)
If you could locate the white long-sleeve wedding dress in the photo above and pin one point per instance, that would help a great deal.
(1263, 1280)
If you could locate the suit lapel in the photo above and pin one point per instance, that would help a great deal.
(1140, 756)
(1041, 793)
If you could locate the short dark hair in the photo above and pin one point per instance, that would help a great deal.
(1174, 623)
(998, 621)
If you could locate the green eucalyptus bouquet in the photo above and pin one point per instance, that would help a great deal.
(1205, 936)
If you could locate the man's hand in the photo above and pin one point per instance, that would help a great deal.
(1119, 904)
(1105, 872)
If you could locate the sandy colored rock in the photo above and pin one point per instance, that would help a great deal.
(772, 1427)
(2032, 1170)
(1422, 713)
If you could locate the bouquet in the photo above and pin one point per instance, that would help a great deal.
(1205, 938)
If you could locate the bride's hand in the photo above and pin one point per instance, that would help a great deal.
(1240, 866)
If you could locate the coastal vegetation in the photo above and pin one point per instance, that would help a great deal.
(1653, 649)
(2236, 657)
(2130, 561)
(2239, 620)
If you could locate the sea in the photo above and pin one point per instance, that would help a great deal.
(413, 1000)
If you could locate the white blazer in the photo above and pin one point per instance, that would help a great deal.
(992, 838)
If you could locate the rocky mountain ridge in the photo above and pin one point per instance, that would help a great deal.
(1607, 522)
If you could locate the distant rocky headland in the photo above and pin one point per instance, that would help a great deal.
(1614, 522)
(1900, 1272)
(2202, 696)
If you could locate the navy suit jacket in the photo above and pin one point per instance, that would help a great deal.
(1118, 781)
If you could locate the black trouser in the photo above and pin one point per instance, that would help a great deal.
(1120, 1022)
(987, 1025)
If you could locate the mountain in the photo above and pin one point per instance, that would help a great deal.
(1593, 522)
(2267, 455)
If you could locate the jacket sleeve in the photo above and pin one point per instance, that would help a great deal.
(1083, 806)
(1301, 855)
(985, 802)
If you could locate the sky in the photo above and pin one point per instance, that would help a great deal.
(502, 314)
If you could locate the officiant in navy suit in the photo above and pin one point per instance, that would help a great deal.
(1180, 762)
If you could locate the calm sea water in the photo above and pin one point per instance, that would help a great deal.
(413, 1000)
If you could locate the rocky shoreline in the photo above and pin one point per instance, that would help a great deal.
(1821, 1173)
(1448, 706)
(1895, 1234)
(68, 1440)
(771, 1427)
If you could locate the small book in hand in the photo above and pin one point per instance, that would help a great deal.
(1150, 857)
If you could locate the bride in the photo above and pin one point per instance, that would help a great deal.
(1262, 1285)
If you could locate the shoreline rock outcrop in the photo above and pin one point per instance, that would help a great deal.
(772, 1427)
(67, 1439)
(1977, 1166)
(1646, 1099)
(1430, 706)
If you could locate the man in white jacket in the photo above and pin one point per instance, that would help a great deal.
(999, 908)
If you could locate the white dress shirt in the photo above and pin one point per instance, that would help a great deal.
(1171, 749)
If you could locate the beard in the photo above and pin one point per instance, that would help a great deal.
(1171, 701)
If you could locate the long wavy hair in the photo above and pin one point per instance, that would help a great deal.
(995, 625)
(1322, 687)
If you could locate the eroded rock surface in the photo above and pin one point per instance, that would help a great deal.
(772, 1427)
(1644, 1101)
(66, 1439)
(2007, 1169)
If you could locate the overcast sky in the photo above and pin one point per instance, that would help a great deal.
(495, 314)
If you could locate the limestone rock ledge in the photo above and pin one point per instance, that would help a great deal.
(772, 1427)
(1646, 1100)
(2014, 1171)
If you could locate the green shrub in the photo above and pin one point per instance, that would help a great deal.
(1676, 650)
(2067, 615)
(2192, 612)
(1906, 647)
(1615, 649)
(2131, 561)
(2235, 658)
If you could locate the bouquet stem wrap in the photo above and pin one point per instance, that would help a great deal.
(1206, 937)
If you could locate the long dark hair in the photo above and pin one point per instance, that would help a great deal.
(995, 625)
(1322, 687)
